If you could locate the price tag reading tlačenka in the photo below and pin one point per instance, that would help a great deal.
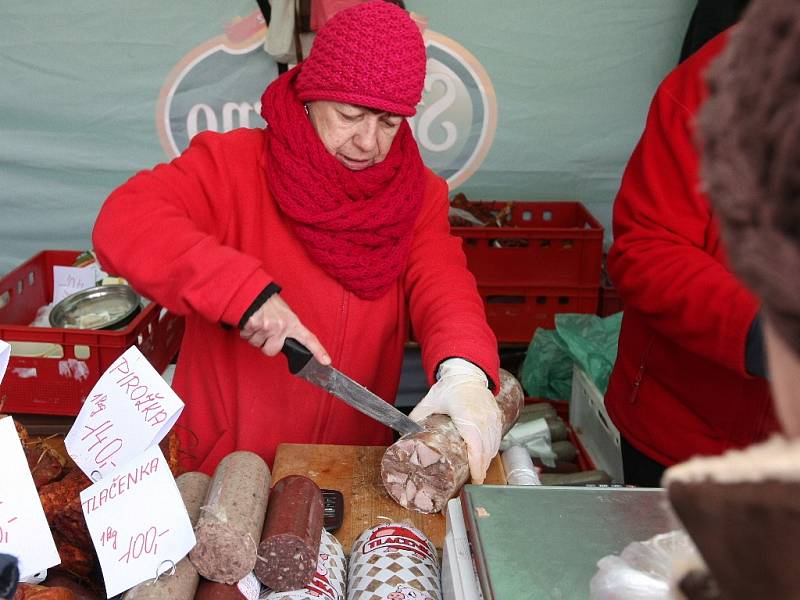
(23, 527)
(129, 409)
(138, 522)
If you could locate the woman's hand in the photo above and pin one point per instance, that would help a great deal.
(462, 392)
(271, 324)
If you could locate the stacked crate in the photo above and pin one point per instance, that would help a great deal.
(40, 378)
(543, 259)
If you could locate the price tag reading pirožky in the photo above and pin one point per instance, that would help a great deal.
(23, 527)
(129, 409)
(138, 522)
(5, 354)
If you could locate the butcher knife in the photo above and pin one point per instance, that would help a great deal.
(303, 364)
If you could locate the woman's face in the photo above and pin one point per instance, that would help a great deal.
(358, 137)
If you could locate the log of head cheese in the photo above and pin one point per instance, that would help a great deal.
(182, 584)
(289, 548)
(329, 581)
(742, 511)
(423, 470)
(394, 561)
(247, 588)
(231, 518)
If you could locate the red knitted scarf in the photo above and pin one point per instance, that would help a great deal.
(356, 225)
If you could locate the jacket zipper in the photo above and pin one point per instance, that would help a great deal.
(336, 353)
(637, 381)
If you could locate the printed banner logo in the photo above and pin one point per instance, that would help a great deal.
(218, 85)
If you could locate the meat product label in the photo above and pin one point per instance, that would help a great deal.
(394, 537)
(393, 562)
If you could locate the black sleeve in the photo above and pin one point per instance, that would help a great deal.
(754, 355)
(272, 288)
(9, 575)
(709, 18)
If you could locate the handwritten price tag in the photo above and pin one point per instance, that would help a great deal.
(68, 280)
(137, 521)
(129, 409)
(23, 527)
(5, 354)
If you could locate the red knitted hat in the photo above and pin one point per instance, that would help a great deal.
(372, 55)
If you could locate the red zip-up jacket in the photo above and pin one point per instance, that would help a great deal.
(203, 236)
(679, 387)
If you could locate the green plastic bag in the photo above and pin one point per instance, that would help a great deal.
(586, 340)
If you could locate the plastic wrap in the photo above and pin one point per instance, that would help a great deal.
(519, 467)
(645, 570)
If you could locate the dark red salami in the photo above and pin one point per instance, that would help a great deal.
(287, 554)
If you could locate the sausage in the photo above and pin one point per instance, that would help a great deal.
(329, 581)
(247, 588)
(182, 584)
(422, 471)
(537, 410)
(565, 450)
(393, 558)
(30, 591)
(193, 487)
(78, 589)
(558, 429)
(287, 554)
(231, 519)
(76, 561)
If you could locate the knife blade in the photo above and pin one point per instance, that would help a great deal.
(303, 364)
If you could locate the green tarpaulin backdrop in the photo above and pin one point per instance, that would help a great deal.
(526, 99)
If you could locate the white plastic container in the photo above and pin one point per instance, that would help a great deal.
(592, 425)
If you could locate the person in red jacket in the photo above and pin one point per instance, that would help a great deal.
(325, 227)
(741, 508)
(688, 379)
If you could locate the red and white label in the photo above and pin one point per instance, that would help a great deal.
(399, 537)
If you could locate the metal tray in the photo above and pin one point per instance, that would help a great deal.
(101, 307)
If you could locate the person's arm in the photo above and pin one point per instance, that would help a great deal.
(164, 229)
(447, 314)
(658, 261)
(459, 350)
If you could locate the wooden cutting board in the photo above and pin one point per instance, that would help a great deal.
(356, 472)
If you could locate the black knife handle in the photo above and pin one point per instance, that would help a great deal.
(297, 355)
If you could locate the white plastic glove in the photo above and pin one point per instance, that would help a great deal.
(462, 393)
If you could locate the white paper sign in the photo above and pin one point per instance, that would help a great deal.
(5, 354)
(68, 280)
(23, 527)
(129, 409)
(138, 522)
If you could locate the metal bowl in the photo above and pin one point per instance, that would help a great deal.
(101, 307)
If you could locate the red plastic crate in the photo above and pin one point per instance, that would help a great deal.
(514, 313)
(555, 243)
(610, 301)
(46, 385)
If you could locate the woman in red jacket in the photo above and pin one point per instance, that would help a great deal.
(325, 227)
(687, 376)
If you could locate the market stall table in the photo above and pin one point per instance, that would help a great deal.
(542, 542)
(356, 472)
